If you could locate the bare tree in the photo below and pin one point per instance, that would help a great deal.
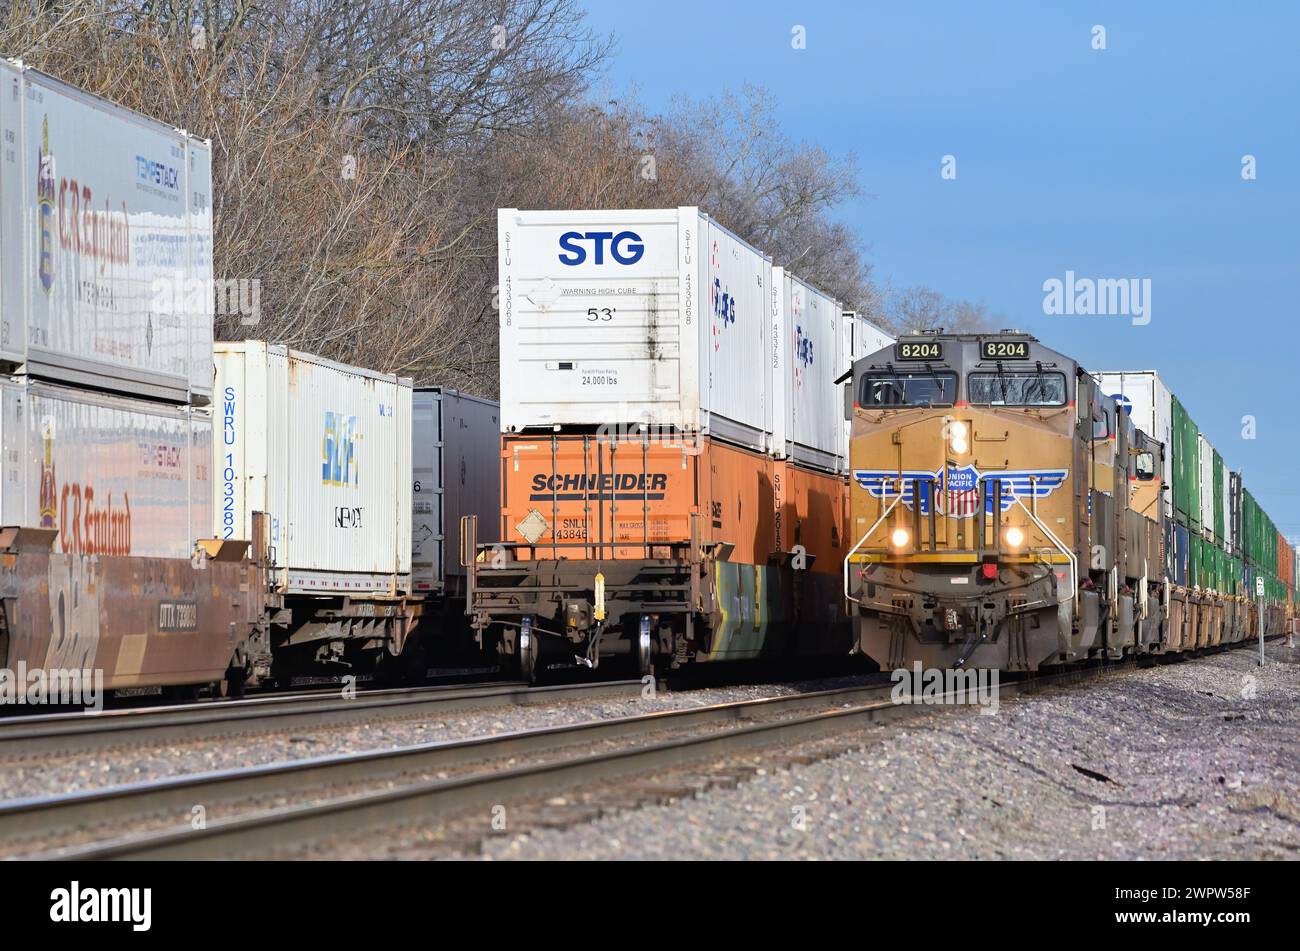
(361, 148)
(917, 308)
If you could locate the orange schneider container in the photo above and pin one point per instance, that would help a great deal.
(589, 497)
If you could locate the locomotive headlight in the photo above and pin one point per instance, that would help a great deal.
(958, 437)
(1015, 537)
(899, 538)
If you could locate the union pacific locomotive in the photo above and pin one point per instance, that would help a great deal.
(1006, 512)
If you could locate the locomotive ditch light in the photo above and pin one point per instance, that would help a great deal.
(1014, 537)
(899, 538)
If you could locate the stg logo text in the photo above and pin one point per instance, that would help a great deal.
(625, 247)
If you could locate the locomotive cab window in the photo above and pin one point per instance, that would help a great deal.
(908, 389)
(1144, 465)
(1100, 423)
(1021, 388)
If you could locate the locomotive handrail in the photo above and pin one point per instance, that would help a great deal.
(1051, 536)
(852, 551)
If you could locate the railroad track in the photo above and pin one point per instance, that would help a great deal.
(319, 798)
(63, 733)
(281, 807)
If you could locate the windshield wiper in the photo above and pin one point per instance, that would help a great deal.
(938, 382)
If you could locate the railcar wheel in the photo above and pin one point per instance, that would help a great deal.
(644, 654)
(526, 654)
(232, 685)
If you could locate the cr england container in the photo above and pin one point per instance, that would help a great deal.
(656, 317)
(111, 475)
(325, 450)
(105, 243)
(457, 471)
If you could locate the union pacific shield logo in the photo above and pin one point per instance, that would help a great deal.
(956, 488)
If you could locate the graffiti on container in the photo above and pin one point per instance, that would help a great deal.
(347, 517)
(74, 613)
(338, 450)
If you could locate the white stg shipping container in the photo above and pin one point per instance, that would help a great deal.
(1150, 403)
(111, 475)
(324, 450)
(456, 448)
(105, 243)
(808, 353)
(656, 316)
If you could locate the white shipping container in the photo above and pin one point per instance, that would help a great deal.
(324, 450)
(105, 243)
(456, 452)
(1150, 403)
(1205, 459)
(112, 476)
(861, 339)
(808, 345)
(646, 316)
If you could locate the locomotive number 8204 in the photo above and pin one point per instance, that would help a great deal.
(1004, 350)
(920, 350)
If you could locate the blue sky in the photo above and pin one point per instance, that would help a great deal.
(1114, 164)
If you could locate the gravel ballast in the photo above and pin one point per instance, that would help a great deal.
(64, 774)
(1190, 760)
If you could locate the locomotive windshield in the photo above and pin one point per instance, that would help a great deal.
(1016, 389)
(908, 389)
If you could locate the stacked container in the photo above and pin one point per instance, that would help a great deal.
(808, 354)
(1150, 404)
(324, 450)
(1220, 538)
(656, 370)
(628, 318)
(1186, 467)
(1206, 484)
(456, 457)
(814, 343)
(106, 302)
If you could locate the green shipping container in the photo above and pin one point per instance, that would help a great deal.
(1249, 528)
(1220, 516)
(1185, 467)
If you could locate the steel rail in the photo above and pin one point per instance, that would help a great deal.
(290, 825)
(262, 830)
(49, 734)
(23, 818)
